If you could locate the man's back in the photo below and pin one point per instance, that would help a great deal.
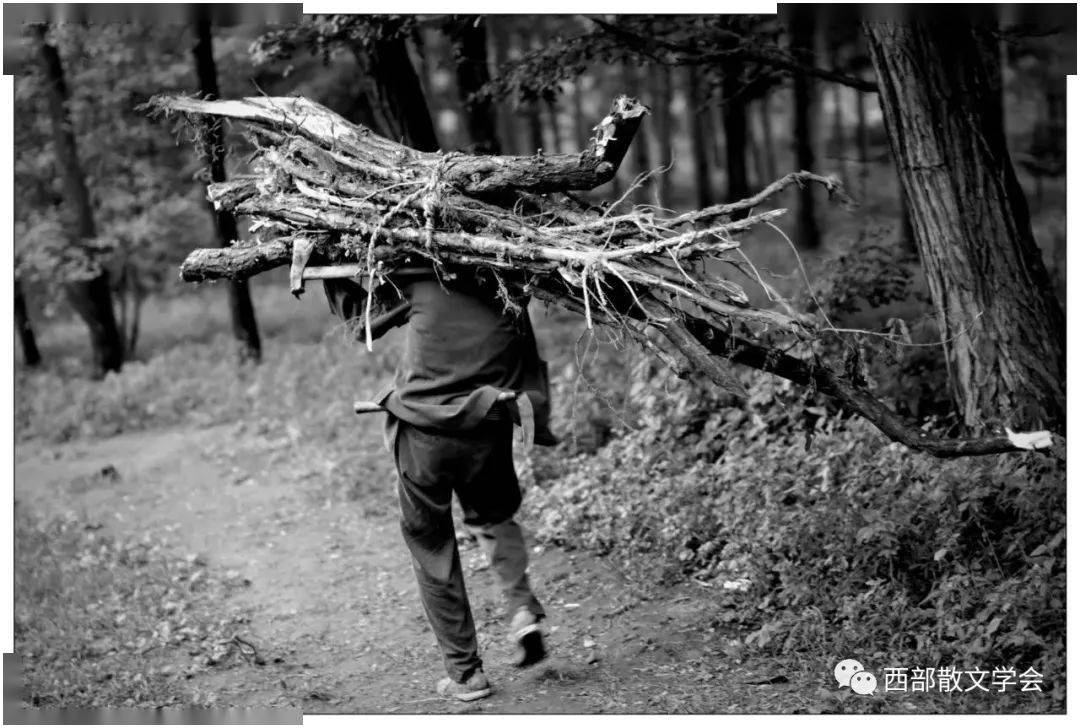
(458, 339)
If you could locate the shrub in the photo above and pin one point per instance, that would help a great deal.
(823, 536)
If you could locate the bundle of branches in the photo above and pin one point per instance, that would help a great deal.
(367, 206)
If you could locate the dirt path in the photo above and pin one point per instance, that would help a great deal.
(332, 603)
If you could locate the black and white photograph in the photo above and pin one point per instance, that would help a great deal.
(645, 360)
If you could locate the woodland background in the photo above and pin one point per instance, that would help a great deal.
(818, 537)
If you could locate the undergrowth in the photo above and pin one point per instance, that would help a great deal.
(101, 622)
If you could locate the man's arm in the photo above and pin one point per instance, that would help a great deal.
(348, 301)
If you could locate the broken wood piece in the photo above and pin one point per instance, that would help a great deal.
(301, 253)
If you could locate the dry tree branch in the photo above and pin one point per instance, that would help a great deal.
(370, 205)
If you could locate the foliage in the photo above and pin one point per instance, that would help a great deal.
(875, 289)
(148, 203)
(200, 384)
(819, 537)
(144, 212)
(671, 40)
(321, 35)
(102, 622)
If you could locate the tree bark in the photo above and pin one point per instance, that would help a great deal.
(468, 46)
(242, 312)
(1000, 323)
(698, 138)
(31, 354)
(91, 298)
(807, 232)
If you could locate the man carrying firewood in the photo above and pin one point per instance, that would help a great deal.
(469, 370)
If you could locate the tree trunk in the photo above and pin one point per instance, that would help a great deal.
(245, 328)
(907, 232)
(1002, 327)
(769, 144)
(661, 93)
(735, 141)
(642, 161)
(399, 96)
(807, 233)
(31, 355)
(468, 46)
(580, 132)
(838, 145)
(699, 142)
(553, 122)
(91, 298)
(508, 130)
(530, 110)
(864, 144)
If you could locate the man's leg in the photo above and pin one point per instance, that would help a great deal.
(504, 545)
(424, 492)
(489, 499)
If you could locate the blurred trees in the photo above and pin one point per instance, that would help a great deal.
(736, 101)
(145, 205)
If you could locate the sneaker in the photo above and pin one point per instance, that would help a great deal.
(476, 687)
(526, 634)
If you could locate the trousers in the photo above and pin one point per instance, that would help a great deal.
(478, 466)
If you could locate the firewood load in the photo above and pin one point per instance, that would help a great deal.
(332, 199)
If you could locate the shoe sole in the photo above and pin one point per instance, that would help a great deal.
(466, 697)
(474, 695)
(531, 642)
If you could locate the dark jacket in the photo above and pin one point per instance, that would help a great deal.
(462, 349)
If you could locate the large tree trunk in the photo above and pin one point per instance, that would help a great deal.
(807, 232)
(245, 328)
(91, 298)
(1002, 327)
(468, 45)
(31, 355)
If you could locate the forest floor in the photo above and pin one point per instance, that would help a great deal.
(329, 600)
